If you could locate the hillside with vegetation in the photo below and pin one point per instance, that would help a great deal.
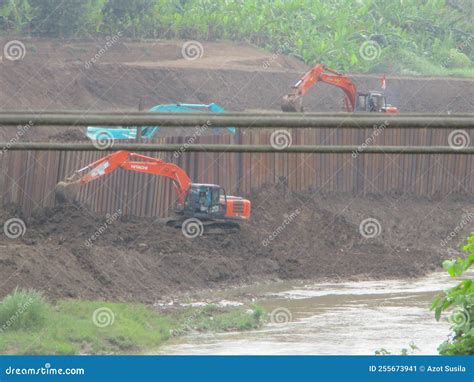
(413, 37)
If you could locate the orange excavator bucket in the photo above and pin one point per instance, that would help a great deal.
(66, 191)
(292, 103)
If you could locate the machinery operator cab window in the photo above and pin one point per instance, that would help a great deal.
(207, 199)
(203, 200)
(376, 102)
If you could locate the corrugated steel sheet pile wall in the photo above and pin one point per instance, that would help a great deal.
(28, 178)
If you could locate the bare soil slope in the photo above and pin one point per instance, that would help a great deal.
(312, 236)
(56, 75)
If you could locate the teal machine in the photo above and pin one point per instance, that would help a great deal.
(147, 132)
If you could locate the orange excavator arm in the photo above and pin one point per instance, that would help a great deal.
(293, 102)
(127, 161)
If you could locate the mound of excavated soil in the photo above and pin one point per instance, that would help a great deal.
(69, 252)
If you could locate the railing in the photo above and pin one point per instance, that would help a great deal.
(244, 121)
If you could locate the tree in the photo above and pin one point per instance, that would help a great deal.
(16, 15)
(132, 18)
(460, 301)
(75, 18)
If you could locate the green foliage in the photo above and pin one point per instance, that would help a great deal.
(459, 300)
(412, 348)
(218, 319)
(437, 33)
(23, 309)
(98, 327)
(69, 328)
(16, 15)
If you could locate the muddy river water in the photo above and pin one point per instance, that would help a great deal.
(335, 318)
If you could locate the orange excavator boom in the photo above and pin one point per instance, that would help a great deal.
(293, 102)
(206, 201)
(124, 159)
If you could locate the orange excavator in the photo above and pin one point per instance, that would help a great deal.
(207, 202)
(354, 101)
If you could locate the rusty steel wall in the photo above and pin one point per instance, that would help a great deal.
(28, 178)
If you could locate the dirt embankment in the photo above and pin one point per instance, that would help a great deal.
(289, 236)
(299, 236)
(58, 75)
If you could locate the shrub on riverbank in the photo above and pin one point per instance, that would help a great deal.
(97, 327)
(459, 301)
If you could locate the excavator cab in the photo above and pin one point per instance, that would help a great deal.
(205, 201)
(373, 102)
(210, 202)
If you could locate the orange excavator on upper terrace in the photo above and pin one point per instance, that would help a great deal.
(207, 202)
(354, 101)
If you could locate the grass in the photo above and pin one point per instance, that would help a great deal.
(217, 319)
(407, 63)
(97, 327)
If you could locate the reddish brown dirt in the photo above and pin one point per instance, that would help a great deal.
(143, 260)
(53, 75)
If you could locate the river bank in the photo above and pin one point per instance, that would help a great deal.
(29, 324)
(327, 318)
